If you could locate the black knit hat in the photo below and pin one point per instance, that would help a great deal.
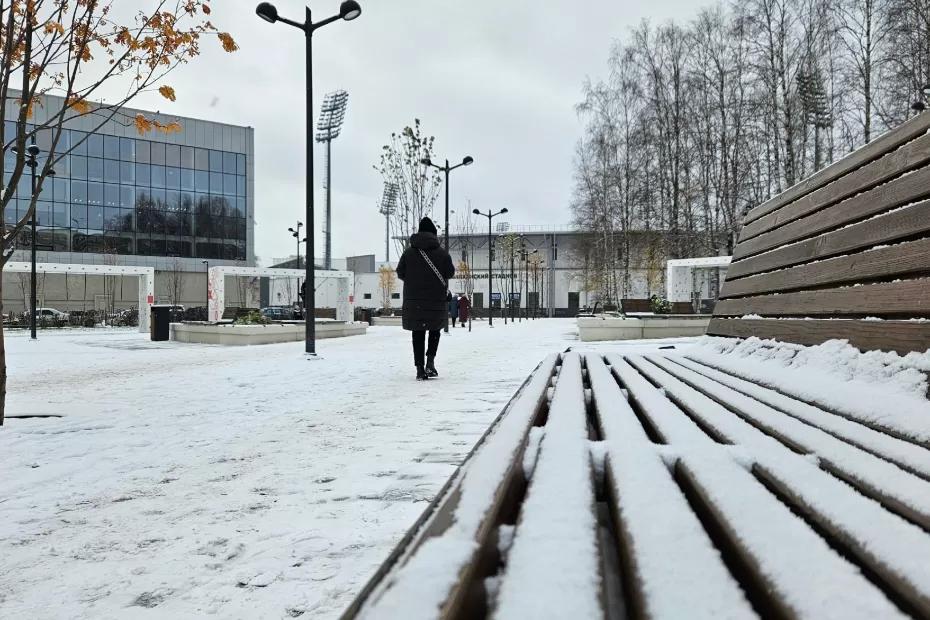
(426, 225)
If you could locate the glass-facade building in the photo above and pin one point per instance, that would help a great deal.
(116, 192)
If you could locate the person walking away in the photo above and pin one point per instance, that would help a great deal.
(464, 309)
(454, 308)
(425, 269)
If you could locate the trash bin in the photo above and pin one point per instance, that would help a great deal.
(159, 326)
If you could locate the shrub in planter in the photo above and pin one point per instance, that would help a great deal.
(252, 318)
(660, 305)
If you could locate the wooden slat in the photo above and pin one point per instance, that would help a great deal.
(649, 515)
(901, 191)
(899, 336)
(555, 544)
(903, 223)
(910, 156)
(906, 297)
(885, 263)
(875, 149)
(437, 522)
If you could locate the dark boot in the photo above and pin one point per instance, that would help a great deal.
(431, 367)
(421, 374)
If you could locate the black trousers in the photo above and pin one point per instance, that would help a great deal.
(418, 338)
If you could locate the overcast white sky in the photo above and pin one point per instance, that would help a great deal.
(494, 79)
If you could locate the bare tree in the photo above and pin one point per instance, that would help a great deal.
(417, 185)
(387, 281)
(78, 50)
(174, 282)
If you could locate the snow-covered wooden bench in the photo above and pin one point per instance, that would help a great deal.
(600, 494)
(707, 486)
(848, 246)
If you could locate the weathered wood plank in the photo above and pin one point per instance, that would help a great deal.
(908, 222)
(906, 297)
(895, 261)
(663, 579)
(901, 191)
(875, 149)
(486, 478)
(555, 544)
(899, 336)
(910, 156)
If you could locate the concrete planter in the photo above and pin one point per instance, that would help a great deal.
(237, 335)
(591, 329)
(390, 321)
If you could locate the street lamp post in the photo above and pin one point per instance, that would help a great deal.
(535, 284)
(206, 267)
(296, 234)
(32, 151)
(467, 161)
(348, 11)
(490, 217)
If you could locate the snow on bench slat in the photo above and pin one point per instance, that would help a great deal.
(669, 422)
(894, 548)
(678, 571)
(420, 587)
(899, 547)
(798, 566)
(895, 450)
(882, 478)
(786, 553)
(835, 376)
(553, 567)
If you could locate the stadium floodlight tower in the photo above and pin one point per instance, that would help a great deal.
(387, 209)
(332, 113)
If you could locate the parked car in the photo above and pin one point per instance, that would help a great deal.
(278, 313)
(50, 314)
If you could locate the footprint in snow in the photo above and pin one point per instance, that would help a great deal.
(152, 599)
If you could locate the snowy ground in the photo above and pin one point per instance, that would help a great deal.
(186, 480)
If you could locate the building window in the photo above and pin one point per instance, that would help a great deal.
(395, 295)
(366, 296)
(146, 197)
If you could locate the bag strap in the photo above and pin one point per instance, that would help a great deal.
(445, 284)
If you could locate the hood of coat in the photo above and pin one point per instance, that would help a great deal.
(424, 241)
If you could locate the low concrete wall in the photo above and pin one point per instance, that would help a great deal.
(591, 329)
(392, 321)
(228, 334)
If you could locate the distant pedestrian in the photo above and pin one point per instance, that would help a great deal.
(426, 270)
(454, 308)
(464, 309)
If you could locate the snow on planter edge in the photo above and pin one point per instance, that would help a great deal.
(420, 587)
(678, 570)
(553, 568)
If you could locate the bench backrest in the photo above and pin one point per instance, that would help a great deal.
(845, 247)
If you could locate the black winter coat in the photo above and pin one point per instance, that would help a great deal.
(425, 305)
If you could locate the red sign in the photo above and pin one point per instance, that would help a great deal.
(150, 299)
(351, 299)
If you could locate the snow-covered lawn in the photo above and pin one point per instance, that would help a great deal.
(245, 482)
